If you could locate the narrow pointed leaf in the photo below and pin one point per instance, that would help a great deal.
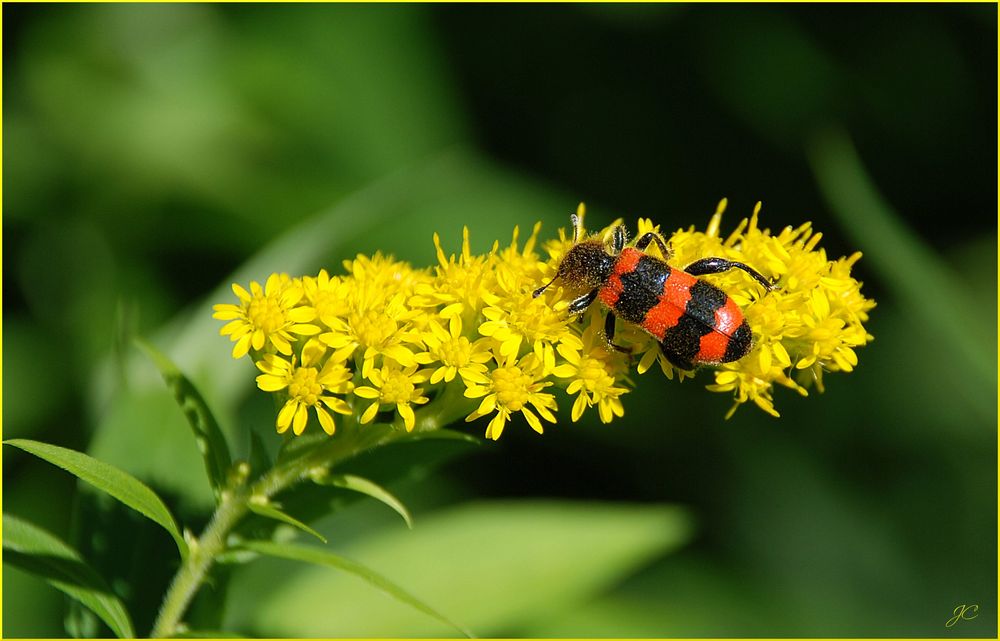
(442, 434)
(42, 554)
(258, 457)
(271, 512)
(312, 555)
(207, 433)
(369, 488)
(109, 479)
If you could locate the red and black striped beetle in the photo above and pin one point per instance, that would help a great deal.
(696, 323)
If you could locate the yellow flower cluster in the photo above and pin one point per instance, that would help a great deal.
(385, 339)
(809, 326)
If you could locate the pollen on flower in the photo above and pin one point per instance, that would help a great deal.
(307, 385)
(266, 316)
(393, 385)
(328, 296)
(468, 337)
(513, 386)
(453, 352)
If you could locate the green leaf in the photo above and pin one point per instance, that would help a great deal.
(308, 554)
(109, 479)
(405, 459)
(369, 488)
(271, 512)
(38, 552)
(211, 441)
(904, 262)
(501, 565)
(441, 434)
(258, 457)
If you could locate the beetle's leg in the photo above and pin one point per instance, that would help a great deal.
(618, 240)
(609, 334)
(578, 305)
(652, 236)
(716, 265)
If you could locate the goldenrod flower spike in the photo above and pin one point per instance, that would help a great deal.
(466, 338)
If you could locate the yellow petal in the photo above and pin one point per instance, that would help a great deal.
(301, 418)
(408, 417)
(241, 293)
(820, 303)
(511, 346)
(532, 420)
(452, 310)
(579, 405)
(402, 355)
(272, 285)
(301, 314)
(455, 325)
(325, 421)
(782, 355)
(727, 376)
(565, 371)
(495, 428)
(425, 358)
(279, 343)
(488, 405)
(647, 360)
(475, 391)
(764, 359)
(543, 410)
(286, 414)
(473, 375)
(304, 329)
(489, 328)
(336, 404)
(604, 412)
(242, 347)
(270, 383)
(335, 340)
(369, 413)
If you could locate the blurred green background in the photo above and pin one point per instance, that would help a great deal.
(150, 152)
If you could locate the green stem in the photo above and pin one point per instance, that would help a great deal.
(202, 554)
(234, 507)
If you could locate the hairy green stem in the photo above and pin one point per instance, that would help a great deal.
(234, 506)
(351, 439)
(193, 570)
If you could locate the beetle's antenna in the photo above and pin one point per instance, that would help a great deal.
(576, 227)
(577, 220)
(538, 292)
